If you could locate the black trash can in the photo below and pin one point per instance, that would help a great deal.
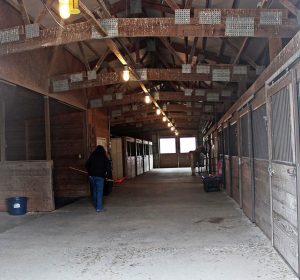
(17, 205)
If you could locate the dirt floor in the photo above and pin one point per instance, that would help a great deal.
(158, 226)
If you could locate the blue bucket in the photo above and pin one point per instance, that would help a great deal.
(17, 205)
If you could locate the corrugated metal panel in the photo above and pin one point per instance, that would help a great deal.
(281, 127)
(260, 133)
(245, 136)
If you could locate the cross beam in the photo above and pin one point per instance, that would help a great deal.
(148, 27)
(64, 82)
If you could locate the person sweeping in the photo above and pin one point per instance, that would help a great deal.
(97, 166)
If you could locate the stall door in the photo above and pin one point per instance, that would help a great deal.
(282, 168)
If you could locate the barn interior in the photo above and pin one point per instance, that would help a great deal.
(150, 81)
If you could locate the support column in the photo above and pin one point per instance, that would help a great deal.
(47, 128)
(2, 131)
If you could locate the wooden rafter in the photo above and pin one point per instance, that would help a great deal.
(153, 74)
(24, 13)
(84, 57)
(144, 27)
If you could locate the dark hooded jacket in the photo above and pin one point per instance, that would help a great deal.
(98, 164)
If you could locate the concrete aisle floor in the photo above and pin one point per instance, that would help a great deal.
(158, 226)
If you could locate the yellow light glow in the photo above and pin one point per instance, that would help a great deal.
(64, 9)
(158, 111)
(172, 128)
(169, 124)
(126, 74)
(176, 133)
(147, 99)
(164, 119)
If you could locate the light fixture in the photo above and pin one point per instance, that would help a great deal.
(147, 99)
(64, 9)
(164, 119)
(74, 7)
(158, 112)
(172, 128)
(176, 133)
(169, 124)
(126, 73)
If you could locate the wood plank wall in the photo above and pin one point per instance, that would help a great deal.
(68, 149)
(235, 179)
(30, 179)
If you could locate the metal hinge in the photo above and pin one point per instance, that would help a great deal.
(271, 171)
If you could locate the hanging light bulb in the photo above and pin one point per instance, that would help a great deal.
(172, 128)
(147, 99)
(126, 75)
(164, 119)
(64, 9)
(176, 133)
(158, 112)
(169, 124)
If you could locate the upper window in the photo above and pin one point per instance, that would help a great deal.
(187, 144)
(167, 146)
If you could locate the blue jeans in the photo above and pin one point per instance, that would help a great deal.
(97, 184)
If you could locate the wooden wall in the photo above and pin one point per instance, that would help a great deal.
(235, 179)
(262, 196)
(30, 179)
(97, 126)
(246, 186)
(68, 148)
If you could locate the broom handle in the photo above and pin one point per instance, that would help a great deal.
(84, 172)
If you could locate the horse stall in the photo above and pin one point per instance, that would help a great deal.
(262, 163)
(150, 155)
(146, 156)
(129, 155)
(139, 157)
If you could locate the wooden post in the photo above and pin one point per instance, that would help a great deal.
(2, 131)
(47, 128)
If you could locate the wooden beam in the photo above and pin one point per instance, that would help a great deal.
(291, 7)
(275, 46)
(153, 74)
(144, 27)
(44, 11)
(236, 48)
(188, 4)
(192, 53)
(101, 60)
(165, 96)
(173, 5)
(84, 58)
(171, 50)
(242, 48)
(24, 13)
